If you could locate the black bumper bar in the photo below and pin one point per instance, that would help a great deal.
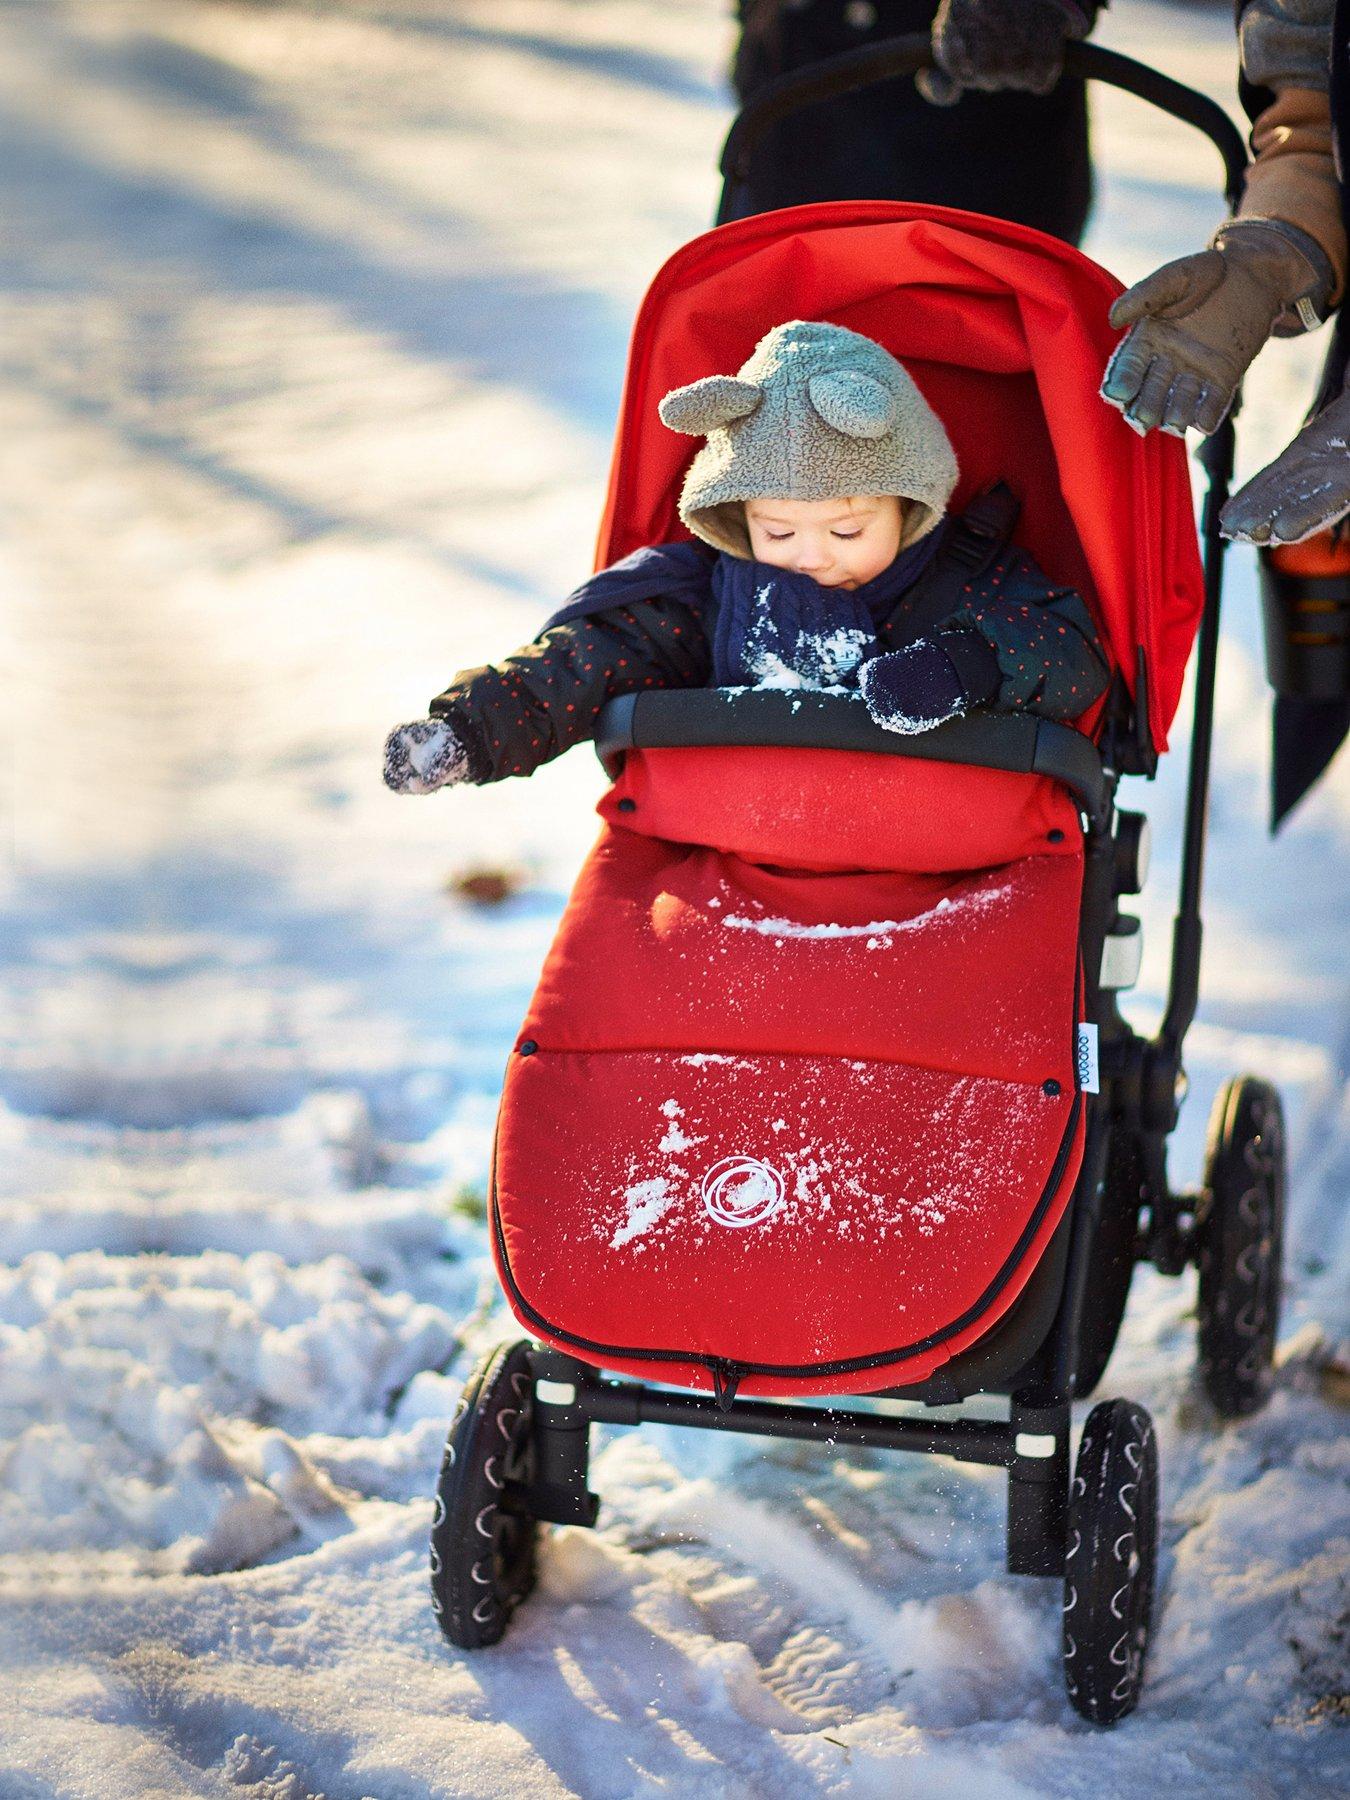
(801, 719)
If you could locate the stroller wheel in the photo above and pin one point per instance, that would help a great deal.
(1111, 1561)
(1239, 1240)
(483, 1534)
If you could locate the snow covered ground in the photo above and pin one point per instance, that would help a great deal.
(314, 319)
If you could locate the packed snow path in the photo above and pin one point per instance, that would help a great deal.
(314, 318)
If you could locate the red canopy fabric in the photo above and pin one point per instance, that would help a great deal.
(1005, 330)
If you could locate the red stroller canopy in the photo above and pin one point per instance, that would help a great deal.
(1005, 331)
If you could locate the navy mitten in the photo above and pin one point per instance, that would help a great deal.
(423, 756)
(929, 681)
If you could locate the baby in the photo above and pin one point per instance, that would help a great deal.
(819, 505)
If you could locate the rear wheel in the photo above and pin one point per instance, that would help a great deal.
(1239, 1240)
(483, 1534)
(1110, 1566)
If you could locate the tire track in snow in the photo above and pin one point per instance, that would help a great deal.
(869, 1581)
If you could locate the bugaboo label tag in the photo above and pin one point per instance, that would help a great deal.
(1089, 1071)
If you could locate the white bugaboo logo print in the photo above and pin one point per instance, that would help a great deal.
(742, 1190)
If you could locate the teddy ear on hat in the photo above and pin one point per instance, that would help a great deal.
(704, 405)
(854, 403)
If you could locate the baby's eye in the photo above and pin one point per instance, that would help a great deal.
(847, 535)
(778, 537)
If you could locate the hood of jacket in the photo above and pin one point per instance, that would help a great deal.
(817, 412)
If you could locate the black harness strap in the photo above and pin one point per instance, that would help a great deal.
(972, 540)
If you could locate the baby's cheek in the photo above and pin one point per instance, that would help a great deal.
(870, 566)
(774, 555)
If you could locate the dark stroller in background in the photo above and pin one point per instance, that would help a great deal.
(825, 1090)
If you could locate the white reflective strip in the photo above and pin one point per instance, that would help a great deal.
(555, 1393)
(1032, 1443)
(1121, 957)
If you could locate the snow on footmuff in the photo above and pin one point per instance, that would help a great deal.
(814, 1124)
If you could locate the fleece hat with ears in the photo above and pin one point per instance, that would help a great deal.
(817, 413)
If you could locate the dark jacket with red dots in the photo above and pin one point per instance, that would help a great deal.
(1018, 642)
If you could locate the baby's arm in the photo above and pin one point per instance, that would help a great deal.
(1050, 657)
(511, 716)
(1018, 643)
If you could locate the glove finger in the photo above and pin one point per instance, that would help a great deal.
(1183, 400)
(1129, 365)
(1247, 516)
(937, 88)
(954, 57)
(1251, 512)
(1171, 291)
(1154, 294)
(1044, 81)
(1146, 409)
(1212, 408)
(1310, 512)
(1010, 81)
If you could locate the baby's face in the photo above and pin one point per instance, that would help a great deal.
(839, 543)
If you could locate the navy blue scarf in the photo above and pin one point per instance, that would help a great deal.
(770, 627)
(765, 625)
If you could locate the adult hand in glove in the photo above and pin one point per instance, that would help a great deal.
(1197, 323)
(423, 756)
(994, 44)
(929, 681)
(1303, 491)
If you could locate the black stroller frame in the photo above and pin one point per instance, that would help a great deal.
(519, 1447)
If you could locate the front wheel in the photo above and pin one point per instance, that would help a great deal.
(1239, 1239)
(1110, 1567)
(483, 1534)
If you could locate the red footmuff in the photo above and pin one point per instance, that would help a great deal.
(795, 1098)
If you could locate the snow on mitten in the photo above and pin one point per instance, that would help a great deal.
(929, 681)
(423, 756)
(913, 689)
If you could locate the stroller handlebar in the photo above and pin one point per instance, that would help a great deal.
(854, 69)
(802, 719)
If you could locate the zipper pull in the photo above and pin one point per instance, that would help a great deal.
(726, 1378)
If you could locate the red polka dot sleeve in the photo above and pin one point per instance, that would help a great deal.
(514, 715)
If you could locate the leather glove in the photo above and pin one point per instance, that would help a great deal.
(423, 756)
(1198, 322)
(913, 689)
(1303, 491)
(994, 44)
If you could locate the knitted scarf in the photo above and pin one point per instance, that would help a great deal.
(767, 626)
